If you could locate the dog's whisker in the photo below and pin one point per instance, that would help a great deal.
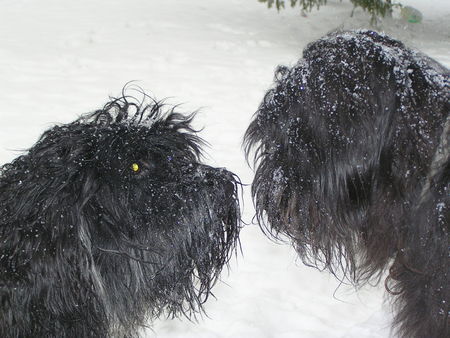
(125, 254)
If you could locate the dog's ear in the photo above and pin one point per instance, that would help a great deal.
(45, 255)
(57, 167)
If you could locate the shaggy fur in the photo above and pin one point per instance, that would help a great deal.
(352, 154)
(110, 221)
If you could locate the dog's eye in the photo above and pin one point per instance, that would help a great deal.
(135, 167)
(141, 168)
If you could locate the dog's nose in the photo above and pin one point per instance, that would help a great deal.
(218, 178)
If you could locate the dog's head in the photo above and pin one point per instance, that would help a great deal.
(344, 145)
(117, 205)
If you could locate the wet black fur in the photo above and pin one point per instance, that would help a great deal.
(352, 154)
(90, 248)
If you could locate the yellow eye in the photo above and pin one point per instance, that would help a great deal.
(135, 167)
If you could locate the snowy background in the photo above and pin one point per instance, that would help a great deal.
(61, 58)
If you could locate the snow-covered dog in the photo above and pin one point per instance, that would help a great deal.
(352, 152)
(110, 221)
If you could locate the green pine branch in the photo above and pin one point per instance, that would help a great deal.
(376, 8)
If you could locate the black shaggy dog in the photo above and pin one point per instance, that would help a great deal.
(352, 153)
(110, 221)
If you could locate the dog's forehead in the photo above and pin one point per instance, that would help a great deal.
(125, 138)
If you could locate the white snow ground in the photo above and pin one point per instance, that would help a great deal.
(60, 58)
